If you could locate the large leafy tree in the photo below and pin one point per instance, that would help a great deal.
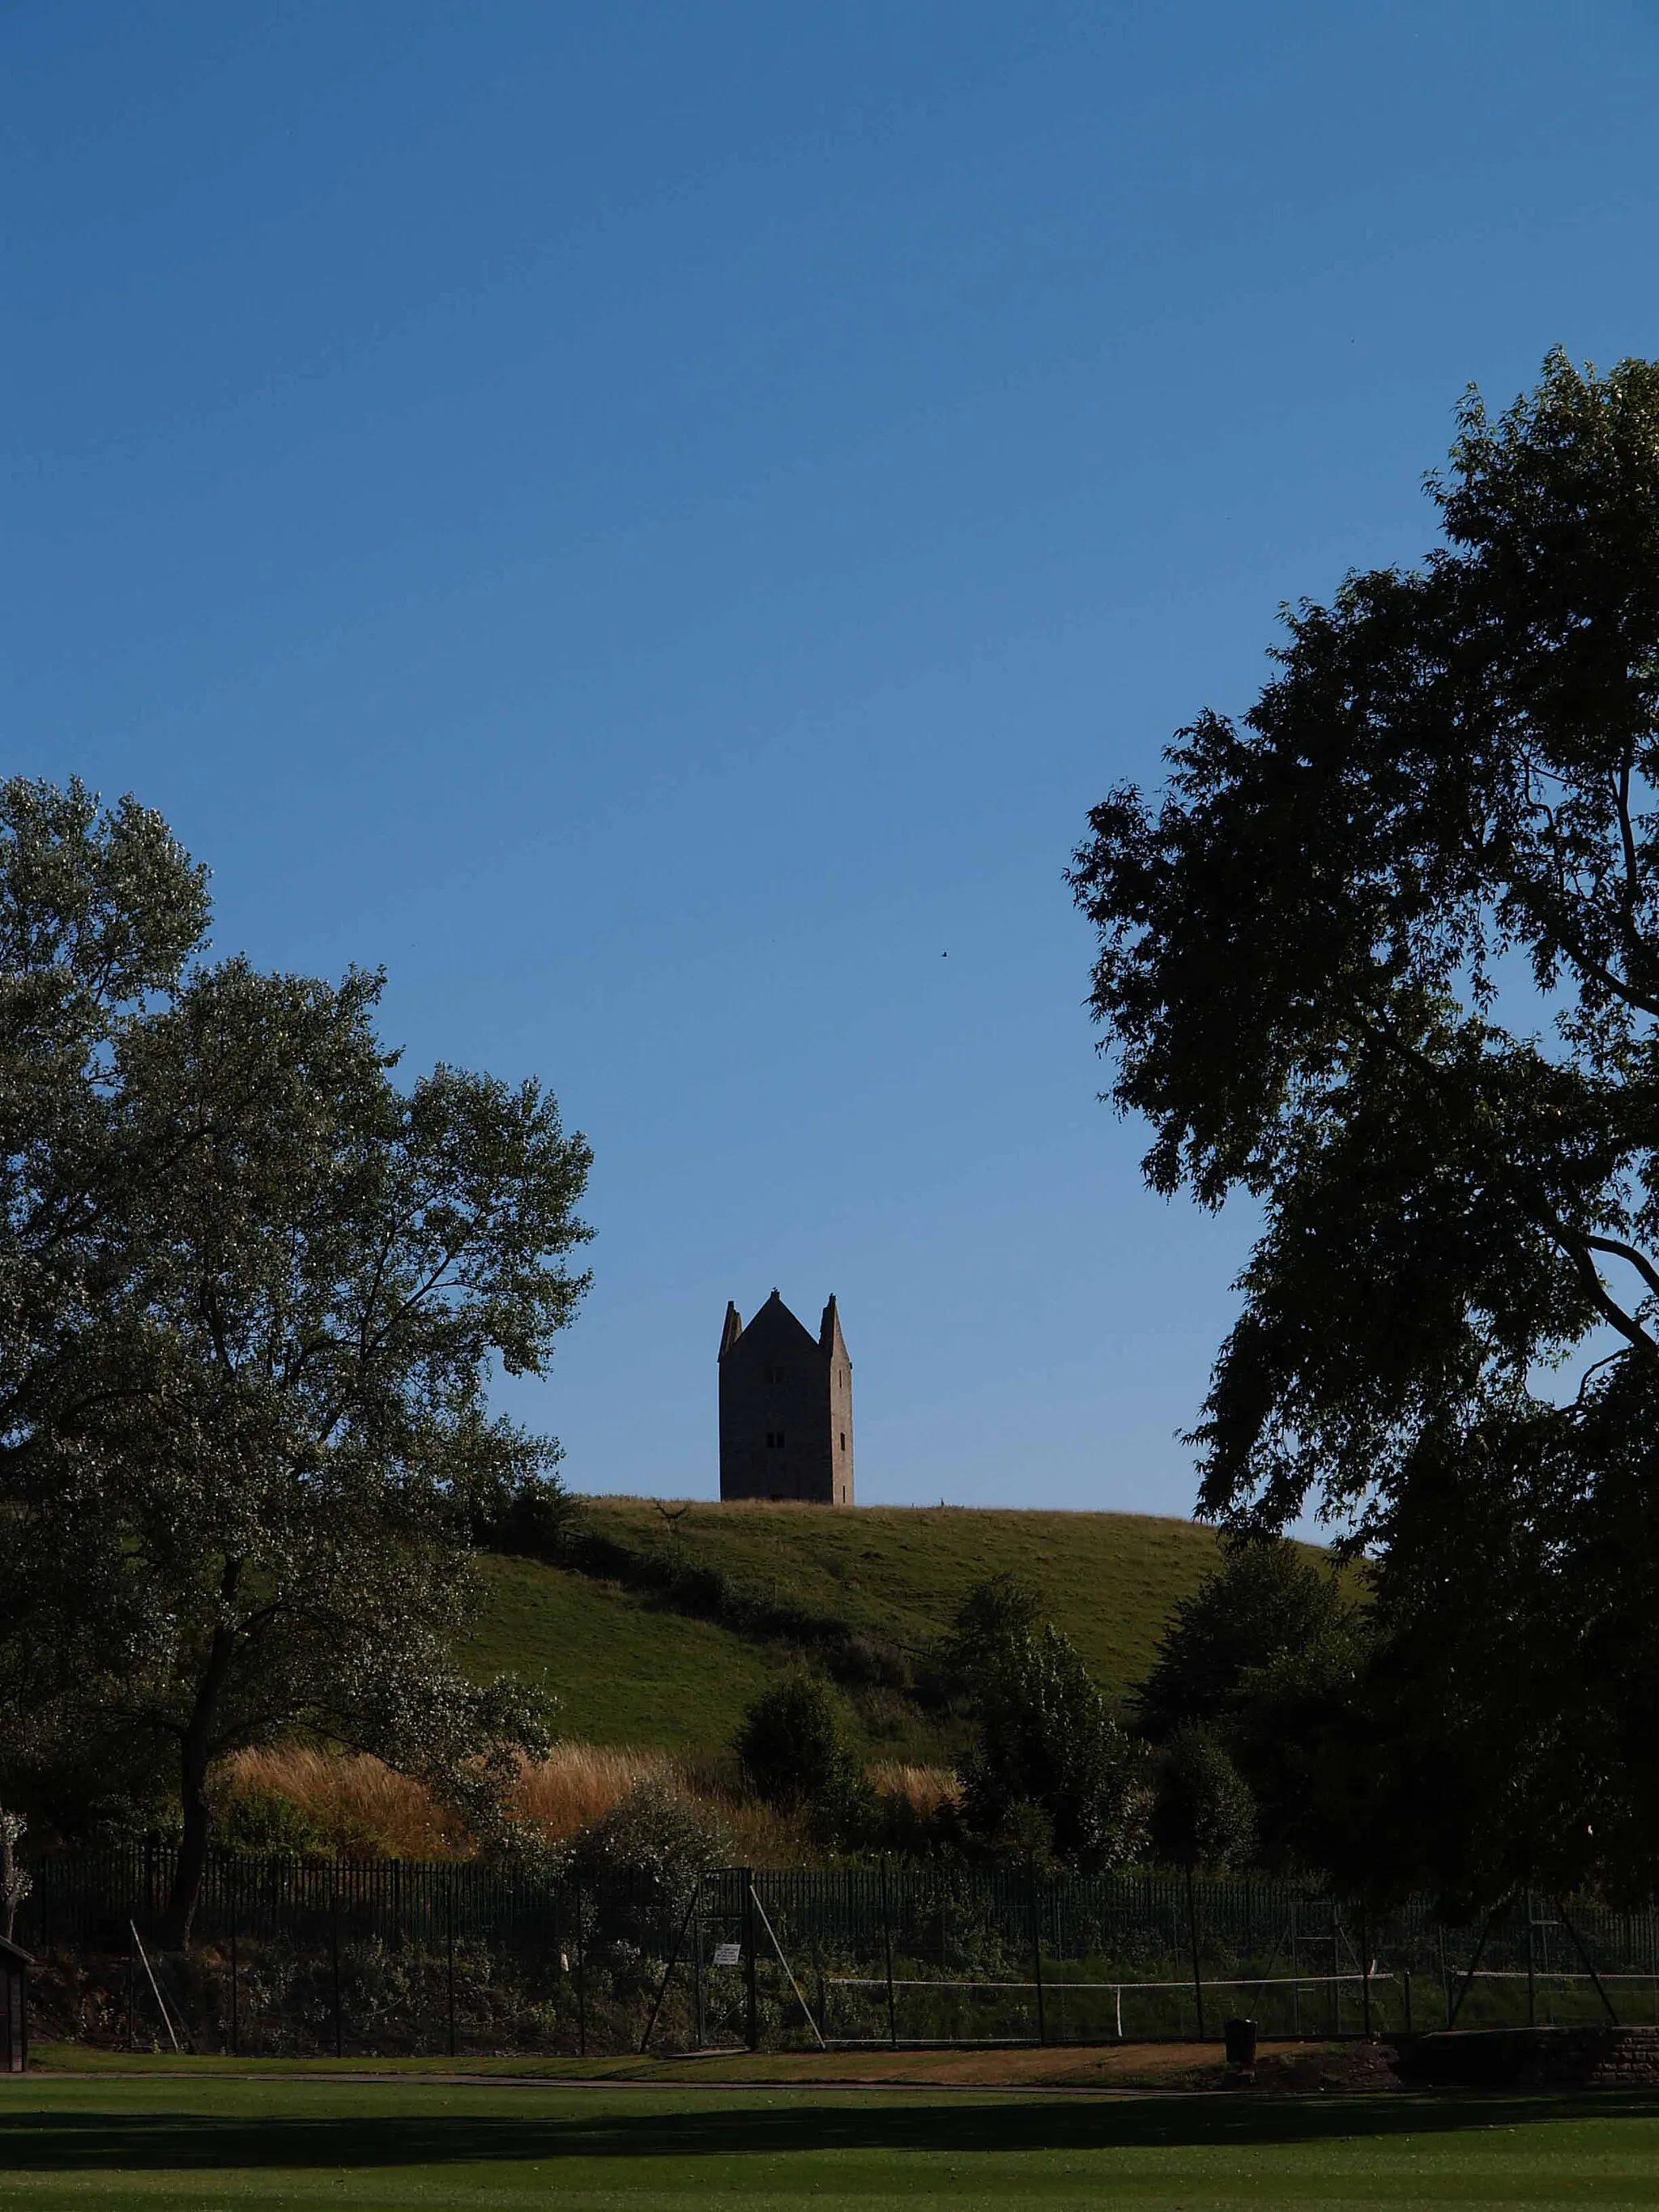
(1385, 955)
(1049, 1762)
(1260, 1605)
(260, 1288)
(1268, 1660)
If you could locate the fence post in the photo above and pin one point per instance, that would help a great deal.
(887, 1946)
(1532, 1983)
(235, 1884)
(581, 1971)
(334, 1952)
(1192, 1934)
(1366, 1968)
(449, 1947)
(699, 2003)
(1036, 1950)
(1590, 1966)
(751, 1964)
(1296, 1975)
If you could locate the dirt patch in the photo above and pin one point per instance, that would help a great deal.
(1290, 2069)
(1145, 2069)
(1349, 2067)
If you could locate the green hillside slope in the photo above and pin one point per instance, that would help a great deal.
(632, 1667)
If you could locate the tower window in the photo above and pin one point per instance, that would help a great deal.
(775, 1440)
(843, 1439)
(775, 1374)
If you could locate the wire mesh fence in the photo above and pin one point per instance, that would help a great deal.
(298, 1956)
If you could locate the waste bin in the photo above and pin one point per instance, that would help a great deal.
(1241, 2042)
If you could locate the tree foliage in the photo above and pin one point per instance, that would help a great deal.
(1050, 1766)
(655, 1838)
(1265, 1603)
(254, 1289)
(1202, 1812)
(993, 1628)
(14, 1883)
(795, 1752)
(1385, 957)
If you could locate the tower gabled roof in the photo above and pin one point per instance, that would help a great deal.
(774, 1325)
(830, 1339)
(733, 1328)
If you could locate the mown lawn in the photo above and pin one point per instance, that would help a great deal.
(194, 2144)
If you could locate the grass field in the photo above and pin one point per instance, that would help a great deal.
(624, 1671)
(203, 2145)
(629, 1670)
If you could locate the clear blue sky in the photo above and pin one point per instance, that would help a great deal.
(656, 521)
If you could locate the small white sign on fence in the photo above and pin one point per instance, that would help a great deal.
(728, 1955)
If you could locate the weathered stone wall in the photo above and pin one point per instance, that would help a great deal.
(1602, 2057)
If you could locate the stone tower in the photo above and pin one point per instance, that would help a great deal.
(786, 1407)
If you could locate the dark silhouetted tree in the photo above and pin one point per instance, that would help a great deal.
(1202, 1813)
(1385, 955)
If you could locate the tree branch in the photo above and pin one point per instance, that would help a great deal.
(1644, 1266)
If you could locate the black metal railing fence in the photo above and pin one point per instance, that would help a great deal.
(385, 1958)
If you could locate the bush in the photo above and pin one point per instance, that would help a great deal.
(1203, 1814)
(795, 1754)
(1050, 1769)
(537, 1520)
(257, 1823)
(654, 1837)
(994, 1624)
(1265, 1604)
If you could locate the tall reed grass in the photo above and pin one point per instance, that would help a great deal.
(581, 1782)
(926, 1790)
(362, 1809)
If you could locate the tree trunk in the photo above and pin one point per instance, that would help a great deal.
(195, 1751)
(172, 1932)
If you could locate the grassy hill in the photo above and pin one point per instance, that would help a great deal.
(662, 1665)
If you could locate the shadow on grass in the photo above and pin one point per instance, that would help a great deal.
(50, 2141)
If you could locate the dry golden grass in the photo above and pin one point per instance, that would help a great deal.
(581, 1782)
(925, 1790)
(364, 1810)
(363, 1807)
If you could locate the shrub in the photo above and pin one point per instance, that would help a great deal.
(919, 1809)
(536, 1520)
(795, 1754)
(15, 1884)
(654, 1837)
(994, 1624)
(1202, 1815)
(258, 1822)
(1265, 1603)
(1051, 1767)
